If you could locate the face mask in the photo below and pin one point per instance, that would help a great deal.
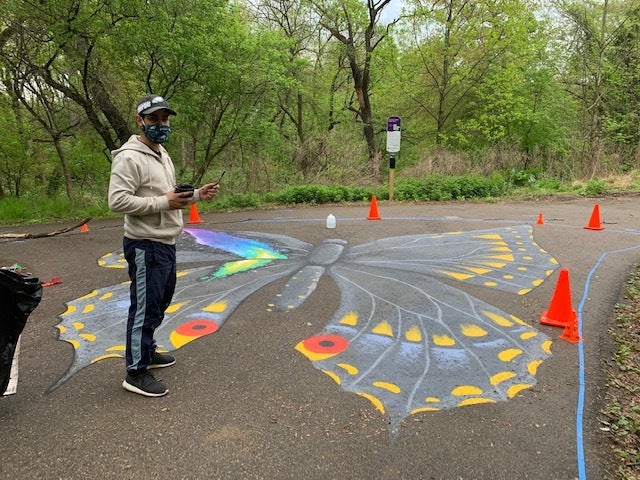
(157, 133)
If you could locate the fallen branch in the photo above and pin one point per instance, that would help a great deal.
(42, 235)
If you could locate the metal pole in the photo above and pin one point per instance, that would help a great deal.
(392, 174)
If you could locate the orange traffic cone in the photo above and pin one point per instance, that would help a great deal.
(373, 210)
(571, 333)
(540, 220)
(84, 228)
(594, 222)
(194, 217)
(560, 312)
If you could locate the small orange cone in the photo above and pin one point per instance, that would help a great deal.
(373, 210)
(571, 333)
(194, 217)
(560, 312)
(540, 220)
(594, 222)
(84, 228)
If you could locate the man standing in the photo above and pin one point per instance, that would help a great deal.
(141, 186)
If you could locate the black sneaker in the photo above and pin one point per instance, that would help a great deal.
(144, 383)
(160, 360)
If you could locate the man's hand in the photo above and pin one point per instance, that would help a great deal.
(208, 191)
(179, 200)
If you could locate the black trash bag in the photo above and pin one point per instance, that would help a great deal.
(20, 294)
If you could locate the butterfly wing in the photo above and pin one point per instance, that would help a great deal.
(204, 298)
(410, 343)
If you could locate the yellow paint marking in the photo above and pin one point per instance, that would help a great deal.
(478, 270)
(457, 275)
(470, 330)
(506, 258)
(216, 307)
(392, 387)
(106, 296)
(181, 274)
(112, 355)
(533, 366)
(383, 328)
(443, 340)
(424, 409)
(350, 319)
(464, 390)
(75, 343)
(61, 328)
(528, 335)
(508, 277)
(335, 377)
(88, 308)
(116, 348)
(413, 334)
(509, 354)
(515, 389)
(70, 310)
(475, 401)
(501, 377)
(524, 291)
(500, 249)
(498, 319)
(494, 264)
(537, 282)
(88, 337)
(376, 403)
(89, 295)
(490, 284)
(174, 307)
(546, 346)
(78, 325)
(432, 400)
(350, 369)
(489, 236)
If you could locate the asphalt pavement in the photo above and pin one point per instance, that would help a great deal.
(245, 404)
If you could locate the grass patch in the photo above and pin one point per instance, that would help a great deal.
(621, 413)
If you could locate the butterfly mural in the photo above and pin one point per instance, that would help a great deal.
(404, 336)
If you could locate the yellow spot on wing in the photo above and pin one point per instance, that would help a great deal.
(216, 307)
(501, 377)
(116, 348)
(471, 330)
(413, 334)
(478, 270)
(383, 328)
(546, 346)
(509, 354)
(111, 355)
(514, 389)
(475, 401)
(392, 387)
(88, 336)
(88, 308)
(78, 325)
(335, 377)
(463, 390)
(350, 318)
(350, 369)
(528, 335)
(443, 340)
(498, 319)
(376, 403)
(457, 275)
(174, 307)
(533, 366)
(424, 409)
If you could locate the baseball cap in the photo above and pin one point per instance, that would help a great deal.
(152, 103)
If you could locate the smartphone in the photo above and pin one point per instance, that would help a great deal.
(220, 177)
(185, 188)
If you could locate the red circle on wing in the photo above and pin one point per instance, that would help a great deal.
(197, 328)
(328, 344)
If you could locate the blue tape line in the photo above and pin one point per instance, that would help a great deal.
(582, 473)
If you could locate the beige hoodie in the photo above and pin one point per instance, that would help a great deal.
(137, 187)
